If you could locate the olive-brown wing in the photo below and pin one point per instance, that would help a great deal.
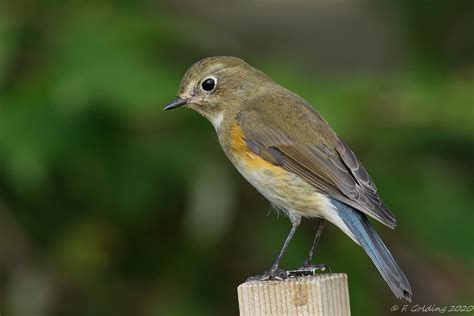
(330, 166)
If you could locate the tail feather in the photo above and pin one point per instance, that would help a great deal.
(369, 240)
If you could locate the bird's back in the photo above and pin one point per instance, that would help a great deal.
(284, 130)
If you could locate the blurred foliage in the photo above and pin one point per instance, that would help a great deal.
(108, 206)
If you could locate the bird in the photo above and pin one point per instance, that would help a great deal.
(290, 154)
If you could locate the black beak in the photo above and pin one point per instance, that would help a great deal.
(175, 104)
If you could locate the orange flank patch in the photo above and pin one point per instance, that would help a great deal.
(250, 159)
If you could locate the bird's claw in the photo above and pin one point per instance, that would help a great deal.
(309, 269)
(271, 275)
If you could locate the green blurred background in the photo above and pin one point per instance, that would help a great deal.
(110, 206)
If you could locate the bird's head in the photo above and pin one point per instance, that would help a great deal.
(215, 86)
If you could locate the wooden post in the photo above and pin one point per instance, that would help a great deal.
(319, 295)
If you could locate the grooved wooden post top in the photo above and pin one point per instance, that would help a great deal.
(319, 295)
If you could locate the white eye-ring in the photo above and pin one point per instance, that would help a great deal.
(209, 84)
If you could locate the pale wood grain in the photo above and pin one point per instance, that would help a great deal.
(320, 295)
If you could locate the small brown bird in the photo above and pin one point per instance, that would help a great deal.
(288, 152)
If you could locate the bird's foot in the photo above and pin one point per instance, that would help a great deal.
(310, 269)
(271, 275)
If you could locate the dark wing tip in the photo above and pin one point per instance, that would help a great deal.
(365, 185)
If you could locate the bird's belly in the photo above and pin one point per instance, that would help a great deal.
(283, 189)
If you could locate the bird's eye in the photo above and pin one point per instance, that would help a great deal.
(208, 85)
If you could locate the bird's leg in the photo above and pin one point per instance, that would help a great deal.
(308, 268)
(275, 273)
(294, 226)
(319, 230)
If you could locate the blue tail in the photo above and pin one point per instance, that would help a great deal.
(368, 239)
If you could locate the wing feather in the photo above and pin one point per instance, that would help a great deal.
(331, 167)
